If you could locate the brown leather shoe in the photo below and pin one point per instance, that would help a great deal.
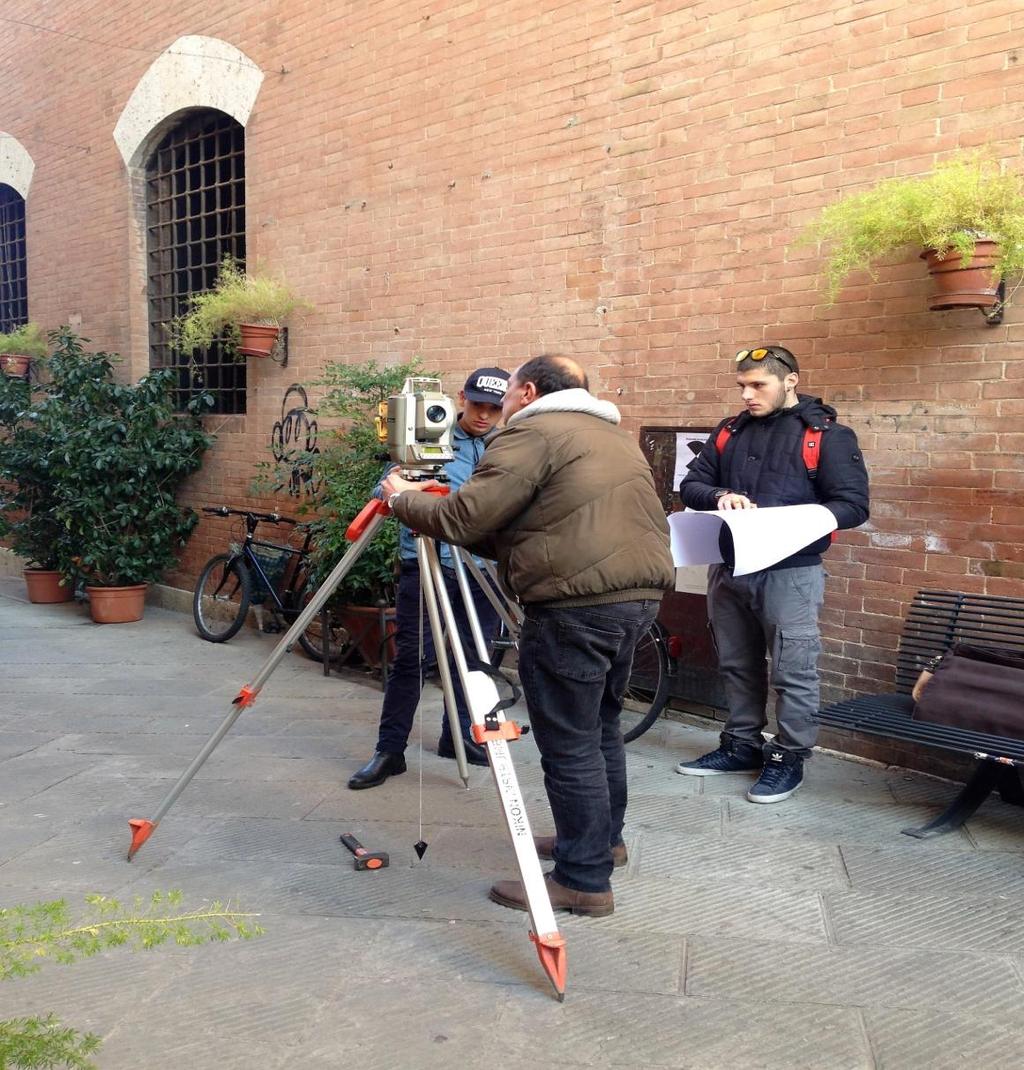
(592, 904)
(546, 849)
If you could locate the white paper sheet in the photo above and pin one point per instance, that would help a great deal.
(761, 537)
(685, 453)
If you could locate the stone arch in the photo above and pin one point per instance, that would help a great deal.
(194, 72)
(16, 165)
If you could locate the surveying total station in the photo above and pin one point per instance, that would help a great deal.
(417, 425)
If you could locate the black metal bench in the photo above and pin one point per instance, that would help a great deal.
(935, 621)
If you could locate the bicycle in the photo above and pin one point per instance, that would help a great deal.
(258, 571)
(648, 685)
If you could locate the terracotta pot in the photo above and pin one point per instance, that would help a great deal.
(257, 340)
(363, 624)
(15, 365)
(117, 605)
(963, 285)
(44, 586)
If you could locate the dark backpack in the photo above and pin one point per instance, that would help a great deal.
(810, 448)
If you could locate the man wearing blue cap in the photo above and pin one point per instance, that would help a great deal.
(480, 403)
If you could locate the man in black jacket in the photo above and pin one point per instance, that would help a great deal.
(762, 458)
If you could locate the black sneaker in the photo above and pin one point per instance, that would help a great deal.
(731, 757)
(783, 773)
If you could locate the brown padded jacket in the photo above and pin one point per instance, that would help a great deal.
(565, 502)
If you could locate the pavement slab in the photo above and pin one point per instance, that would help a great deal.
(879, 951)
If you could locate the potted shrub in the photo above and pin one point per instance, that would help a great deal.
(345, 472)
(250, 307)
(122, 454)
(966, 217)
(26, 493)
(19, 348)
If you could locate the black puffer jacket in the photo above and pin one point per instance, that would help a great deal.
(763, 460)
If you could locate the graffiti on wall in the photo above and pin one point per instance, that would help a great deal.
(293, 441)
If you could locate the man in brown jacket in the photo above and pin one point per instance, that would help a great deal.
(565, 502)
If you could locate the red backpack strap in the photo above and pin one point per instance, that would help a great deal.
(811, 449)
(724, 434)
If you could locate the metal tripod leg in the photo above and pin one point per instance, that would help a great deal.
(143, 828)
(494, 734)
(437, 630)
(510, 612)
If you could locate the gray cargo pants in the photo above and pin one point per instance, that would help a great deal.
(772, 613)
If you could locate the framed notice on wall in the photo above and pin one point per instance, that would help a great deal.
(669, 451)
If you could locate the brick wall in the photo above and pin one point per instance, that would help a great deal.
(474, 182)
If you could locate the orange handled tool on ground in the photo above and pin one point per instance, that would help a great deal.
(364, 859)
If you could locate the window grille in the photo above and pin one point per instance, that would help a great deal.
(195, 209)
(13, 261)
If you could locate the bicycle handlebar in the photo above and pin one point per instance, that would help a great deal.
(268, 518)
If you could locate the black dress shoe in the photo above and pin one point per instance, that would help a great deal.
(377, 770)
(475, 754)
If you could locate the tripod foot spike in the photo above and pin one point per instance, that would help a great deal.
(141, 831)
(551, 952)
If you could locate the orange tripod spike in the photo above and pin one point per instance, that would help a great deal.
(551, 952)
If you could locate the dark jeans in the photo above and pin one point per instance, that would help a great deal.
(574, 665)
(402, 692)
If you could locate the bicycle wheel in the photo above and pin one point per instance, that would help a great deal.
(647, 689)
(316, 642)
(221, 598)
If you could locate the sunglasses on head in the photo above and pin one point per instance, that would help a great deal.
(760, 354)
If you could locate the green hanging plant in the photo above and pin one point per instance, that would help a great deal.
(26, 341)
(237, 297)
(966, 198)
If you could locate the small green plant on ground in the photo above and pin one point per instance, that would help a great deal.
(27, 341)
(236, 297)
(966, 197)
(46, 932)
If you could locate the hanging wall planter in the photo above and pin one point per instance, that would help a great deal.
(16, 365)
(960, 283)
(241, 304)
(19, 348)
(967, 215)
(257, 339)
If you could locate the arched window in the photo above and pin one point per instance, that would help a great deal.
(195, 216)
(13, 273)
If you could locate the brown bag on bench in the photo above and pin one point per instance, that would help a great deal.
(979, 688)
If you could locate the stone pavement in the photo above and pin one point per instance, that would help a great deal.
(809, 934)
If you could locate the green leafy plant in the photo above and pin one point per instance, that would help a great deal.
(27, 518)
(32, 935)
(236, 297)
(347, 468)
(28, 341)
(965, 198)
(119, 453)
